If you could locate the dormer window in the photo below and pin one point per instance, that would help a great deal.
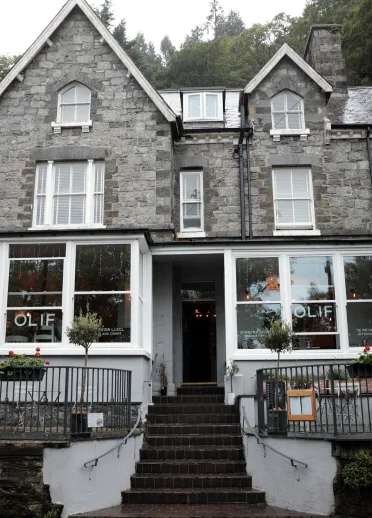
(287, 113)
(202, 106)
(73, 108)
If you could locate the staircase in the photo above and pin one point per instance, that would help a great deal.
(192, 458)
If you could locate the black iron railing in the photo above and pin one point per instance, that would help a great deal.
(55, 403)
(343, 400)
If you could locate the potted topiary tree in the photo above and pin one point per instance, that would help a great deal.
(277, 337)
(163, 376)
(84, 330)
(231, 370)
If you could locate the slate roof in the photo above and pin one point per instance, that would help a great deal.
(232, 115)
(356, 108)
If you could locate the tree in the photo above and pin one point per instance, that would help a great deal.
(233, 24)
(7, 61)
(167, 50)
(215, 19)
(120, 33)
(195, 37)
(105, 13)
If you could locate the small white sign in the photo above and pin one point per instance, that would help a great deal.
(95, 420)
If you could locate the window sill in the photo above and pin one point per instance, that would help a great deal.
(63, 227)
(296, 233)
(57, 126)
(302, 133)
(190, 235)
(202, 119)
(314, 354)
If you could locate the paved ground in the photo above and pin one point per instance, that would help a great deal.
(194, 511)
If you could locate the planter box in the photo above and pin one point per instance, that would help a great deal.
(359, 370)
(22, 374)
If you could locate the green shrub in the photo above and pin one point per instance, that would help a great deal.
(358, 472)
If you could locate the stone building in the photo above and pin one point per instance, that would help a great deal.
(186, 218)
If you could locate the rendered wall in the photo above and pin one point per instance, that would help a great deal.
(80, 489)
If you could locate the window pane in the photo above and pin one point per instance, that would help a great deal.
(98, 208)
(198, 290)
(279, 103)
(211, 106)
(62, 178)
(314, 318)
(69, 95)
(300, 179)
(258, 279)
(82, 112)
(294, 121)
(312, 278)
(115, 311)
(293, 102)
(359, 320)
(61, 210)
(194, 106)
(284, 212)
(316, 342)
(78, 178)
(99, 176)
(283, 183)
(31, 281)
(40, 210)
(280, 121)
(43, 250)
(82, 94)
(77, 215)
(68, 113)
(358, 277)
(191, 186)
(252, 319)
(102, 268)
(191, 215)
(302, 212)
(41, 178)
(34, 326)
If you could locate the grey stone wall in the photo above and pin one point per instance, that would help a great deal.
(341, 181)
(135, 135)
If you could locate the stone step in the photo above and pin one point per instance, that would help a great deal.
(188, 399)
(189, 429)
(200, 390)
(194, 440)
(230, 453)
(189, 496)
(191, 466)
(194, 511)
(193, 418)
(202, 408)
(185, 481)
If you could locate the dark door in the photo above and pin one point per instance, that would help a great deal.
(199, 341)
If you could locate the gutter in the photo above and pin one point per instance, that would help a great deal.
(241, 174)
(369, 151)
(249, 181)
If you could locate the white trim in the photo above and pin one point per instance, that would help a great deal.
(230, 311)
(287, 110)
(75, 103)
(188, 235)
(286, 50)
(290, 132)
(199, 201)
(296, 233)
(38, 45)
(203, 117)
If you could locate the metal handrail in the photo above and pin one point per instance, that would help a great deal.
(293, 461)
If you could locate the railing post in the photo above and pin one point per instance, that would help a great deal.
(65, 403)
(333, 399)
(260, 401)
(129, 396)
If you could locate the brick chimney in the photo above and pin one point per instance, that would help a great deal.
(323, 52)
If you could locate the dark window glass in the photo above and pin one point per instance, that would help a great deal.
(34, 326)
(102, 268)
(258, 279)
(314, 318)
(359, 319)
(252, 320)
(115, 311)
(198, 290)
(36, 251)
(316, 342)
(358, 277)
(312, 278)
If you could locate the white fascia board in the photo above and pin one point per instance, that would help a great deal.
(286, 50)
(37, 46)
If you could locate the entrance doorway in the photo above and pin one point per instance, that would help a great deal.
(199, 332)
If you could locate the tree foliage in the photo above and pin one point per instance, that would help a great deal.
(6, 63)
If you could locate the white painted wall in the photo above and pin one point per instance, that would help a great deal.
(313, 493)
(80, 489)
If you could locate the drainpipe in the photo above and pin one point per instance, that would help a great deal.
(369, 150)
(241, 174)
(249, 181)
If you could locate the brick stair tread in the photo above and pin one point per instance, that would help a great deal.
(193, 511)
(179, 448)
(191, 461)
(191, 475)
(196, 490)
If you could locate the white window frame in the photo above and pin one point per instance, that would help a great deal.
(288, 131)
(58, 124)
(49, 196)
(192, 230)
(203, 104)
(304, 228)
(133, 348)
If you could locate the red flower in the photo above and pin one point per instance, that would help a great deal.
(37, 354)
(47, 363)
(38, 349)
(11, 353)
(366, 349)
